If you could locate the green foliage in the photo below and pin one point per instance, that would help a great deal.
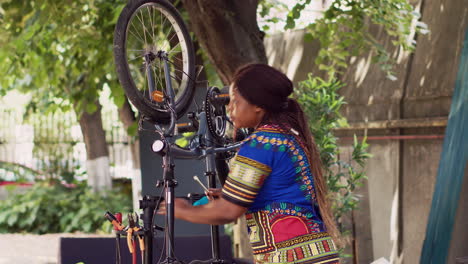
(57, 161)
(295, 13)
(321, 103)
(265, 7)
(61, 52)
(54, 208)
(54, 145)
(20, 173)
(345, 30)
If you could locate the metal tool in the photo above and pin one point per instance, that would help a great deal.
(199, 182)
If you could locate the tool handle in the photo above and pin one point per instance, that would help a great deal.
(130, 241)
(199, 182)
(142, 243)
(115, 222)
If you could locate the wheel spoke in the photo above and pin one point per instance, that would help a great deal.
(158, 82)
(176, 68)
(177, 58)
(162, 84)
(142, 24)
(178, 79)
(137, 37)
(151, 22)
(162, 24)
(180, 71)
(154, 21)
(153, 28)
(175, 52)
(178, 45)
(146, 80)
(173, 35)
(137, 57)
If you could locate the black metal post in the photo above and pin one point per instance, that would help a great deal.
(169, 184)
(211, 174)
(148, 205)
(214, 229)
(168, 164)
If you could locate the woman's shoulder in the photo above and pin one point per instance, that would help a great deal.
(268, 130)
(269, 137)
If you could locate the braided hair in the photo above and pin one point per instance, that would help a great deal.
(270, 89)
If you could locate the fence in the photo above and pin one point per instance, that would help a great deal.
(53, 145)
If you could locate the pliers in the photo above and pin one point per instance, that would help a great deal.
(134, 227)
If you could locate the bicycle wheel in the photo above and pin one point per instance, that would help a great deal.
(147, 33)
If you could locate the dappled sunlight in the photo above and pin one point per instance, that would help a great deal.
(362, 69)
(401, 55)
(295, 61)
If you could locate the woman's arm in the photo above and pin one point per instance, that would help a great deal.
(216, 212)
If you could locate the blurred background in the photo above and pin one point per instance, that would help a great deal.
(383, 83)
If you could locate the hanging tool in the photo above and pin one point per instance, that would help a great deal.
(133, 231)
(116, 221)
(141, 239)
(130, 241)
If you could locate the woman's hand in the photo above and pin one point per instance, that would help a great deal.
(217, 212)
(213, 193)
(181, 208)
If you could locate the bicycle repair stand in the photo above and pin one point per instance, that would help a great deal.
(165, 148)
(149, 204)
(168, 150)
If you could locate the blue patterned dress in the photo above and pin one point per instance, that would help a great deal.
(271, 176)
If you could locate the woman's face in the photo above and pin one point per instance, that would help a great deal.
(242, 113)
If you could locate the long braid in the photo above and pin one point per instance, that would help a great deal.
(295, 118)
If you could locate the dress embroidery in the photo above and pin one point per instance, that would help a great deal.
(246, 177)
(271, 176)
(273, 139)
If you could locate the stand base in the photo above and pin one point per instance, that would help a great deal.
(210, 261)
(172, 262)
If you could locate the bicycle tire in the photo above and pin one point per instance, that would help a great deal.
(126, 72)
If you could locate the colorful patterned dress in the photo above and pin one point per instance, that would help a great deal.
(270, 176)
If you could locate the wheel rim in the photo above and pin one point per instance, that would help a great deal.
(151, 32)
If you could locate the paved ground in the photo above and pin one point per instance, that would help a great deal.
(31, 249)
(40, 249)
(25, 249)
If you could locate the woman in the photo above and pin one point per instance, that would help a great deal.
(275, 178)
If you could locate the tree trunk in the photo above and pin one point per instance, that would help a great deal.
(127, 117)
(228, 31)
(97, 153)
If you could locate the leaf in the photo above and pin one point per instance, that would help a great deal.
(12, 219)
(116, 13)
(132, 130)
(91, 108)
(3, 215)
(290, 23)
(308, 37)
(119, 100)
(392, 77)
